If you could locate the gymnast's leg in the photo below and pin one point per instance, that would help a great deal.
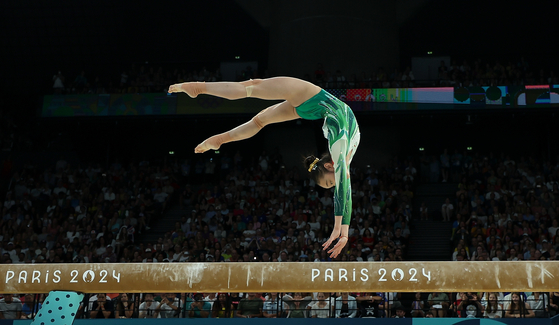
(293, 90)
(274, 114)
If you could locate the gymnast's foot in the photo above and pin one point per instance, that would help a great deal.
(192, 89)
(212, 143)
(201, 148)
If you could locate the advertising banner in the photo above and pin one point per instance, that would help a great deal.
(381, 99)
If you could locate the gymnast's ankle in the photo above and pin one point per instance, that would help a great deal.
(193, 89)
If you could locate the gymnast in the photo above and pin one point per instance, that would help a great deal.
(301, 99)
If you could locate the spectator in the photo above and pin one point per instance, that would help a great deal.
(400, 312)
(423, 211)
(539, 302)
(250, 307)
(518, 308)
(168, 307)
(371, 304)
(434, 170)
(553, 229)
(222, 307)
(447, 210)
(58, 85)
(124, 308)
(148, 307)
(494, 308)
(553, 304)
(439, 303)
(102, 308)
(80, 83)
(109, 256)
(198, 308)
(30, 307)
(10, 307)
(296, 305)
(469, 307)
(417, 306)
(235, 300)
(462, 235)
(272, 306)
(392, 299)
(322, 308)
(346, 306)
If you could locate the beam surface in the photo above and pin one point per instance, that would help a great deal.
(282, 277)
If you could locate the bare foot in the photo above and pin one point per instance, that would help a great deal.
(192, 89)
(205, 146)
(176, 88)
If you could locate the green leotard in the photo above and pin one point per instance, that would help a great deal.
(341, 129)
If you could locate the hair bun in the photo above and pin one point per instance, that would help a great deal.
(309, 160)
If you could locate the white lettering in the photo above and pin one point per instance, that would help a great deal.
(47, 277)
(315, 274)
(382, 273)
(36, 275)
(353, 275)
(104, 276)
(56, 275)
(74, 274)
(10, 275)
(329, 274)
(342, 274)
(365, 275)
(117, 277)
(413, 272)
(400, 273)
(428, 275)
(88, 276)
(22, 277)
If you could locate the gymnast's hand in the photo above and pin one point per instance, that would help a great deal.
(335, 234)
(337, 249)
(339, 232)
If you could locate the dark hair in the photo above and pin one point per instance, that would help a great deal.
(217, 306)
(489, 306)
(318, 169)
(521, 306)
(119, 306)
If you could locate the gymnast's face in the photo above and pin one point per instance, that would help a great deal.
(328, 179)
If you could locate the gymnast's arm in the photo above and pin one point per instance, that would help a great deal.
(342, 192)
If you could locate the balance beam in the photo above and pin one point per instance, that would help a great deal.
(282, 277)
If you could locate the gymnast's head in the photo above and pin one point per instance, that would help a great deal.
(321, 170)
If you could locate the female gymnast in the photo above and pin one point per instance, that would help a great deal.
(301, 99)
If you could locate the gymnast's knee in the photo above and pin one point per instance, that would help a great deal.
(249, 85)
(251, 82)
(258, 121)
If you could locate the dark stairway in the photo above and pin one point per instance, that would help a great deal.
(430, 241)
(165, 224)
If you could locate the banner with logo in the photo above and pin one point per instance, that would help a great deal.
(537, 96)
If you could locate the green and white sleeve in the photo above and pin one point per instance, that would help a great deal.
(338, 144)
